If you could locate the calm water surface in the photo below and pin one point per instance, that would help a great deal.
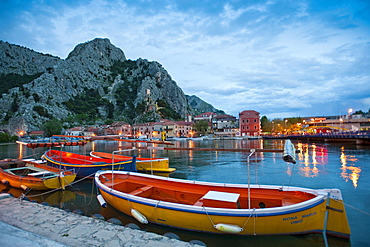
(320, 165)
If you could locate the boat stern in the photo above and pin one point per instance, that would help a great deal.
(337, 222)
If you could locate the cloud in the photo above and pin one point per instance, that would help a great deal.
(295, 58)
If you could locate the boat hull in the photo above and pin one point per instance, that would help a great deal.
(37, 183)
(157, 165)
(309, 216)
(85, 166)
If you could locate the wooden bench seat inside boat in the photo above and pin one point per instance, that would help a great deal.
(117, 183)
(143, 191)
(218, 199)
(35, 174)
(11, 170)
(162, 193)
(231, 200)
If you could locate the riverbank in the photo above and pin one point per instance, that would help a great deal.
(44, 224)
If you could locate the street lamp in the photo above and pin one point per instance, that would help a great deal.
(285, 126)
(350, 112)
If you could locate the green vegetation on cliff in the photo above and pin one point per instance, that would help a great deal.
(8, 81)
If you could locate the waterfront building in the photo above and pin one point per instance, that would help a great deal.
(340, 123)
(119, 128)
(93, 131)
(170, 129)
(37, 133)
(225, 125)
(249, 123)
(184, 128)
(142, 130)
(207, 116)
(75, 131)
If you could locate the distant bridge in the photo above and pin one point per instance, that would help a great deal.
(361, 138)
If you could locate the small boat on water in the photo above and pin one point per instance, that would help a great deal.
(33, 174)
(156, 165)
(85, 165)
(52, 143)
(209, 207)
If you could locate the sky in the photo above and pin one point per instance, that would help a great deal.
(282, 58)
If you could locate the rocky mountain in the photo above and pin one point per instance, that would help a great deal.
(201, 106)
(94, 83)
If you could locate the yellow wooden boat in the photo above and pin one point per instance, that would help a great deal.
(33, 174)
(225, 208)
(156, 165)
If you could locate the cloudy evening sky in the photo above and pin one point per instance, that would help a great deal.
(280, 58)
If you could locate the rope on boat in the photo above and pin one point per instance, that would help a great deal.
(368, 214)
(250, 215)
(326, 220)
(156, 205)
(213, 224)
(51, 191)
(92, 191)
(249, 218)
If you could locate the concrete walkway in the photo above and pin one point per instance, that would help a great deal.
(24, 223)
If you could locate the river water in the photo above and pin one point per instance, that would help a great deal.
(319, 165)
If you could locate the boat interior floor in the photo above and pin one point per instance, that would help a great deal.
(210, 196)
(30, 170)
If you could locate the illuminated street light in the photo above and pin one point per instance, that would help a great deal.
(349, 113)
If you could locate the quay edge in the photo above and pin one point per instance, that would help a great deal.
(69, 229)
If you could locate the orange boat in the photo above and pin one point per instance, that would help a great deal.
(156, 165)
(243, 209)
(224, 208)
(33, 174)
(85, 165)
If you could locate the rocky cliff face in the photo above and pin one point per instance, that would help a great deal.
(94, 83)
(200, 106)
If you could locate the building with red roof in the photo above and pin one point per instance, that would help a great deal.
(249, 123)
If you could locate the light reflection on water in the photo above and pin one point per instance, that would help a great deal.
(319, 165)
(312, 159)
(308, 158)
(349, 170)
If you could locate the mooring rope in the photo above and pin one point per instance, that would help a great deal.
(250, 215)
(92, 191)
(213, 224)
(156, 205)
(51, 191)
(352, 207)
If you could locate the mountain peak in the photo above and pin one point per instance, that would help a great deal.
(98, 49)
(95, 83)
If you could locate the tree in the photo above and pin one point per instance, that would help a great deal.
(201, 126)
(108, 121)
(5, 137)
(52, 127)
(266, 125)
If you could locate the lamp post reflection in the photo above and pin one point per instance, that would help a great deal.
(349, 171)
(306, 170)
(314, 157)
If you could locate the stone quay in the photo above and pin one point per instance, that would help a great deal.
(40, 225)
